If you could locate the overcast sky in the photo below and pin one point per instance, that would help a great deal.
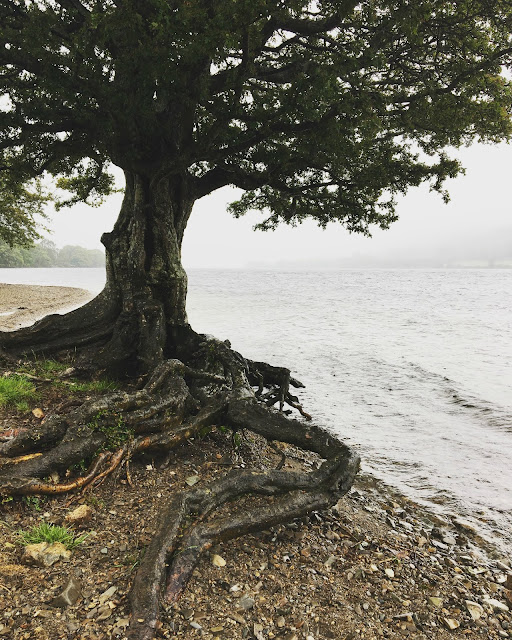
(478, 214)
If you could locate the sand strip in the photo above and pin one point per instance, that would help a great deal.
(21, 305)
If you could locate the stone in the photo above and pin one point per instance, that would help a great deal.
(80, 515)
(69, 595)
(246, 602)
(451, 624)
(389, 572)
(437, 602)
(106, 595)
(475, 610)
(508, 595)
(218, 561)
(496, 604)
(330, 561)
(44, 554)
(38, 413)
(103, 612)
(192, 480)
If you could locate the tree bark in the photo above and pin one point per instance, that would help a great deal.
(145, 274)
(138, 319)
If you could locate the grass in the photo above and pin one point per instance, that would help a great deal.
(16, 391)
(50, 533)
(44, 368)
(98, 386)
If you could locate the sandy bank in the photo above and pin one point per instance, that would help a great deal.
(22, 305)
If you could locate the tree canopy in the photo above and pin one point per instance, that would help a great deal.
(324, 110)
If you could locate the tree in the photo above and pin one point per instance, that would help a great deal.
(324, 110)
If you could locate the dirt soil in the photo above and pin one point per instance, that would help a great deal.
(375, 566)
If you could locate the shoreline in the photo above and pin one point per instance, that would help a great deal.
(21, 305)
(374, 566)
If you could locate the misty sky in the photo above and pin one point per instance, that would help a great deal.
(478, 215)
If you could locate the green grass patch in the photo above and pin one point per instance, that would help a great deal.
(16, 391)
(50, 533)
(94, 386)
(44, 368)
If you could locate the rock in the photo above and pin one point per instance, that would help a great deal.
(437, 602)
(192, 480)
(195, 625)
(330, 561)
(80, 515)
(389, 572)
(38, 413)
(508, 581)
(218, 561)
(508, 595)
(246, 602)
(475, 610)
(217, 630)
(44, 554)
(106, 595)
(451, 624)
(103, 612)
(69, 594)
(464, 526)
(496, 604)
(280, 622)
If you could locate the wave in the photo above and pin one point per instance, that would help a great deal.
(491, 413)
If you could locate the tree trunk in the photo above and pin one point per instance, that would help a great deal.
(138, 319)
(144, 272)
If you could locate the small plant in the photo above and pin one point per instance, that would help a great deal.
(44, 532)
(32, 501)
(15, 391)
(95, 386)
(111, 424)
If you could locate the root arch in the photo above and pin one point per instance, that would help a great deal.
(205, 385)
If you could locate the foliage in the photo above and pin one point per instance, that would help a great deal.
(113, 426)
(324, 110)
(46, 254)
(44, 532)
(15, 391)
(21, 209)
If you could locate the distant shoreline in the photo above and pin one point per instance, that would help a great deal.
(21, 305)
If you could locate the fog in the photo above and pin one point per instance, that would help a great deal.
(473, 229)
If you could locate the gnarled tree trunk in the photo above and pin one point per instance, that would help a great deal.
(136, 320)
(138, 327)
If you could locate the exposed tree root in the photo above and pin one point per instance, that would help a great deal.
(209, 385)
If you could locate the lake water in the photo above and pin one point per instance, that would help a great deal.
(412, 367)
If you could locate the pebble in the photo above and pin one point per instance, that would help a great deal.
(69, 595)
(389, 572)
(80, 515)
(496, 604)
(451, 623)
(218, 561)
(246, 603)
(475, 610)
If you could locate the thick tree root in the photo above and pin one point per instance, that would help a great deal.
(210, 385)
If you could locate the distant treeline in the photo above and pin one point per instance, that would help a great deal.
(46, 254)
